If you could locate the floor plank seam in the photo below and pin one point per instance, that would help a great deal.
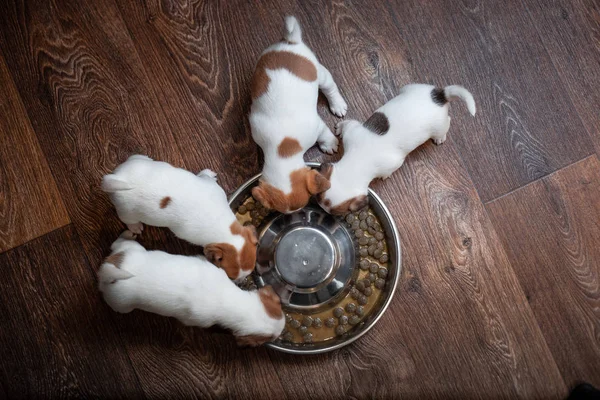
(38, 237)
(540, 178)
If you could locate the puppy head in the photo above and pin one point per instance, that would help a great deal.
(337, 200)
(237, 264)
(304, 181)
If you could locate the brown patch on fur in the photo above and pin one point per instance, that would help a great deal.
(300, 66)
(227, 257)
(115, 259)
(288, 147)
(305, 182)
(165, 202)
(378, 123)
(252, 340)
(350, 205)
(271, 301)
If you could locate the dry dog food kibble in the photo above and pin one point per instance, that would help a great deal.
(340, 330)
(360, 311)
(373, 268)
(308, 338)
(303, 330)
(382, 273)
(338, 312)
(354, 320)
(330, 322)
(343, 320)
(295, 324)
(350, 307)
(317, 323)
(364, 264)
(380, 284)
(307, 321)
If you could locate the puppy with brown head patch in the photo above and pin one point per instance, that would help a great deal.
(188, 288)
(378, 147)
(194, 207)
(285, 122)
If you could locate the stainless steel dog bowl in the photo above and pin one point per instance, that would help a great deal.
(310, 259)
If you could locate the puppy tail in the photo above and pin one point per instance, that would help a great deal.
(293, 33)
(456, 91)
(109, 273)
(112, 183)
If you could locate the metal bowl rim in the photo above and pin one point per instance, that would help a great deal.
(367, 327)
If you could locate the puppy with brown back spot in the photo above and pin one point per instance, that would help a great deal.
(194, 207)
(285, 122)
(378, 147)
(188, 288)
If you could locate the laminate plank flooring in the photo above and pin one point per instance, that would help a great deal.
(570, 31)
(101, 80)
(551, 230)
(526, 127)
(58, 338)
(30, 203)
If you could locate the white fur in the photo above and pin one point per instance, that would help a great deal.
(289, 109)
(188, 288)
(413, 117)
(198, 211)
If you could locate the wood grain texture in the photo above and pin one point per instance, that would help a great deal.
(200, 57)
(88, 101)
(570, 30)
(30, 204)
(58, 339)
(525, 127)
(551, 230)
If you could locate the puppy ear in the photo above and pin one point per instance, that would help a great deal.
(251, 340)
(252, 235)
(326, 169)
(214, 253)
(259, 194)
(316, 183)
(359, 202)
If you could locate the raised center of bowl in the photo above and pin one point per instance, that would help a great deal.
(304, 257)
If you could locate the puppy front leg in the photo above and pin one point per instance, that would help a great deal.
(337, 104)
(328, 143)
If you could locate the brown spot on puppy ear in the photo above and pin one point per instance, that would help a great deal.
(252, 340)
(271, 301)
(316, 183)
(326, 169)
(350, 205)
(439, 97)
(165, 202)
(115, 259)
(300, 66)
(288, 147)
(304, 182)
(378, 123)
(247, 256)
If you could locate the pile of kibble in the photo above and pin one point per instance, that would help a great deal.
(255, 209)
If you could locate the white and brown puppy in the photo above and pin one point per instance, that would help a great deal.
(285, 122)
(378, 147)
(188, 288)
(194, 207)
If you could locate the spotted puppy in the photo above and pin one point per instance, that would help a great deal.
(188, 288)
(285, 122)
(194, 207)
(378, 147)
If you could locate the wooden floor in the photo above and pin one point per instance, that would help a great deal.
(500, 226)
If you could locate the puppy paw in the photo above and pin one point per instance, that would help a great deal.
(338, 107)
(208, 173)
(136, 228)
(329, 147)
(339, 129)
(128, 235)
(439, 141)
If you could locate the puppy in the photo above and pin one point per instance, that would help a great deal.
(188, 288)
(285, 122)
(194, 207)
(378, 147)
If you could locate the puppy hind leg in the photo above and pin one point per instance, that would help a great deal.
(328, 143)
(337, 104)
(440, 137)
